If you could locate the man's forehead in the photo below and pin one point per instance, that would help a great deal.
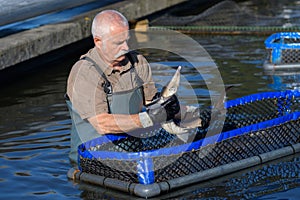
(116, 29)
(118, 35)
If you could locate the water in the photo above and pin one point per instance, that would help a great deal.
(35, 138)
(35, 128)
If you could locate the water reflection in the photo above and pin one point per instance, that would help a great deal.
(35, 123)
(284, 80)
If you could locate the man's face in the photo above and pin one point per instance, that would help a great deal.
(113, 46)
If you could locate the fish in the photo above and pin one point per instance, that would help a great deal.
(172, 86)
(167, 92)
(190, 115)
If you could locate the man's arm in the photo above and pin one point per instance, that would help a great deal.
(115, 123)
(120, 123)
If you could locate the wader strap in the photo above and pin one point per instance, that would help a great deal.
(129, 56)
(66, 97)
(106, 85)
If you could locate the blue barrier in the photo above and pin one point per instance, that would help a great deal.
(277, 43)
(146, 173)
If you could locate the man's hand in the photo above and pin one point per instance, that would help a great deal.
(189, 119)
(158, 113)
(171, 106)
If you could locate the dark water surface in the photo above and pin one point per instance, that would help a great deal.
(35, 129)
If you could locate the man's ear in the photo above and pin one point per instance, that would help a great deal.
(98, 42)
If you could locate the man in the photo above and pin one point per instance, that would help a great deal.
(109, 85)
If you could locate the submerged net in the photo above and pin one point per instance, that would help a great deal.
(256, 182)
(240, 17)
(254, 124)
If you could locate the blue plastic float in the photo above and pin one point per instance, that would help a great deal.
(283, 51)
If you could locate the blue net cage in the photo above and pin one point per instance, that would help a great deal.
(254, 124)
(283, 48)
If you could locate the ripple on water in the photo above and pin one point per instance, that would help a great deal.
(35, 125)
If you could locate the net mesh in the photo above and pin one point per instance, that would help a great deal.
(232, 149)
(282, 176)
(229, 151)
(283, 48)
(234, 15)
(290, 56)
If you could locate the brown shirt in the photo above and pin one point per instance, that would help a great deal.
(85, 88)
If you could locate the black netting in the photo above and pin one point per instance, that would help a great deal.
(227, 151)
(134, 144)
(254, 112)
(283, 48)
(117, 169)
(230, 150)
(290, 56)
(229, 13)
(282, 176)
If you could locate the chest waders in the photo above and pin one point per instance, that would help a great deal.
(125, 102)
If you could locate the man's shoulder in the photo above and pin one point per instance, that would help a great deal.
(84, 68)
(87, 61)
(90, 55)
(82, 65)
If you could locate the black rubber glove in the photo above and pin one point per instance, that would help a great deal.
(172, 107)
(159, 113)
(165, 111)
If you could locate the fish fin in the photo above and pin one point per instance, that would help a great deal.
(171, 127)
(220, 103)
(183, 137)
(172, 86)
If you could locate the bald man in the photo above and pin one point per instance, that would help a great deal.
(108, 87)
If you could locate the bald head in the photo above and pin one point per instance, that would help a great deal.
(111, 34)
(106, 21)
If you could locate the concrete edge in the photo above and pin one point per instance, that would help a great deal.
(25, 45)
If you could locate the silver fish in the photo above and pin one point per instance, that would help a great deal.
(167, 91)
(190, 115)
(171, 88)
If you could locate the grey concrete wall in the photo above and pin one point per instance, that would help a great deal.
(25, 45)
(15, 10)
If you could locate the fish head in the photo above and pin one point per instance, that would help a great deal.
(171, 88)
